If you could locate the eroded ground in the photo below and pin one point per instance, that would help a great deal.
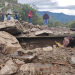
(55, 62)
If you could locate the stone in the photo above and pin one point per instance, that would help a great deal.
(11, 26)
(26, 55)
(8, 43)
(72, 60)
(34, 29)
(28, 69)
(49, 48)
(25, 51)
(9, 68)
(43, 31)
(54, 46)
(19, 62)
(25, 23)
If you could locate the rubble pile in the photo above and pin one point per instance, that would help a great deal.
(31, 30)
(18, 57)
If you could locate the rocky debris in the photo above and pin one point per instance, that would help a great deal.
(25, 23)
(31, 30)
(11, 26)
(49, 48)
(9, 68)
(26, 55)
(26, 58)
(54, 46)
(35, 29)
(28, 69)
(25, 51)
(72, 60)
(19, 62)
(8, 43)
(43, 32)
(35, 57)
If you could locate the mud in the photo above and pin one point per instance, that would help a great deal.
(53, 63)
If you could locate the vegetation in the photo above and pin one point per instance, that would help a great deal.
(1, 5)
(23, 14)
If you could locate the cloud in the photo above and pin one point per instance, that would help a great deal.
(56, 6)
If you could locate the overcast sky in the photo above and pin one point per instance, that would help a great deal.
(55, 6)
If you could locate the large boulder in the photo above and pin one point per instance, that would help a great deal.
(11, 26)
(8, 43)
(9, 68)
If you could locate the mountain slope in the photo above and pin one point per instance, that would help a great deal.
(58, 16)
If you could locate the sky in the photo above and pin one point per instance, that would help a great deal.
(56, 6)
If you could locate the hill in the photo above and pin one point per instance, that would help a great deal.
(63, 18)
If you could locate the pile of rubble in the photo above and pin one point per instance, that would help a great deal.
(22, 59)
(31, 30)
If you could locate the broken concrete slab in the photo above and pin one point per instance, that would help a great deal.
(8, 43)
(11, 26)
(43, 31)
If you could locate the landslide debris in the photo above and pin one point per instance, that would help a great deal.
(17, 57)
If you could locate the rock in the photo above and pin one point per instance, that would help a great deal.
(54, 46)
(28, 69)
(9, 68)
(8, 43)
(37, 49)
(30, 25)
(49, 48)
(26, 55)
(25, 23)
(34, 29)
(25, 51)
(19, 62)
(1, 61)
(11, 26)
(24, 44)
(72, 60)
(43, 32)
(26, 31)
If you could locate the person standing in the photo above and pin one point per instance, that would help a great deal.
(8, 17)
(30, 17)
(16, 17)
(45, 17)
(2, 18)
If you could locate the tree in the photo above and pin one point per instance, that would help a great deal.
(23, 14)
